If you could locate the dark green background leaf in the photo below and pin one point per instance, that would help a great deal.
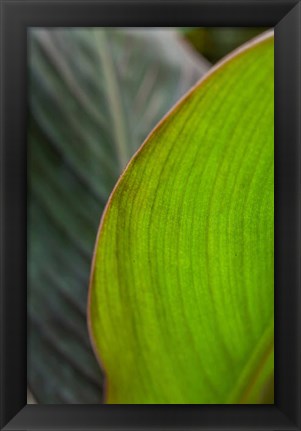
(216, 42)
(94, 96)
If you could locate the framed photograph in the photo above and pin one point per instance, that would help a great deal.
(150, 223)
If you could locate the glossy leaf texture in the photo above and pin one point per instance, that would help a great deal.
(95, 94)
(182, 291)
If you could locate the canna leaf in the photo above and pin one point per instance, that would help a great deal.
(181, 295)
(94, 96)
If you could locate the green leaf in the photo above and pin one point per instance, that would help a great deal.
(181, 296)
(94, 96)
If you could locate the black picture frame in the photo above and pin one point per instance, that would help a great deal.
(16, 17)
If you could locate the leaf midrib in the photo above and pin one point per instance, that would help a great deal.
(117, 111)
(259, 359)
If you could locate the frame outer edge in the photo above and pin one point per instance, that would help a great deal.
(4, 176)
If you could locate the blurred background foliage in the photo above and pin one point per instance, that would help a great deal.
(216, 42)
(94, 95)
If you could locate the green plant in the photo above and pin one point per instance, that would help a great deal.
(94, 96)
(181, 296)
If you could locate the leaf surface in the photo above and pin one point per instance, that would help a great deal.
(94, 96)
(181, 296)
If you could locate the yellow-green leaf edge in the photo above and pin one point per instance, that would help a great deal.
(153, 345)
